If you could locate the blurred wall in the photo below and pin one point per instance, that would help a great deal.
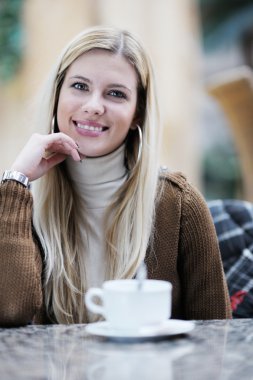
(169, 30)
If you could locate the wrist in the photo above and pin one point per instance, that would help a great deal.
(13, 175)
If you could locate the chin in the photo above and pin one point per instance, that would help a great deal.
(92, 154)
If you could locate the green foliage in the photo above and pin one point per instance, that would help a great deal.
(10, 38)
(221, 173)
(216, 12)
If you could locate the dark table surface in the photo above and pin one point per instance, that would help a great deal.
(212, 350)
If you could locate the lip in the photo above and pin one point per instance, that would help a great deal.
(90, 123)
(98, 130)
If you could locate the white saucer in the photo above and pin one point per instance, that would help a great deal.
(171, 327)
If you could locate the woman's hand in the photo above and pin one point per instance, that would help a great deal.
(42, 152)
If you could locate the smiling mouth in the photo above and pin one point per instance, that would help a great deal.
(91, 127)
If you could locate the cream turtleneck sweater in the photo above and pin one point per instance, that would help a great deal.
(96, 180)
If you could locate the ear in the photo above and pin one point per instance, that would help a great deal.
(136, 121)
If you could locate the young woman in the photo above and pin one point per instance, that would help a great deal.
(100, 205)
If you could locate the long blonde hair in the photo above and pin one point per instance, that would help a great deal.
(57, 215)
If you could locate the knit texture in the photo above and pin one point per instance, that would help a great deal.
(21, 264)
(184, 251)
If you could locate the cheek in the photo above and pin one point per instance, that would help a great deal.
(130, 118)
(64, 109)
(64, 104)
(61, 107)
(128, 115)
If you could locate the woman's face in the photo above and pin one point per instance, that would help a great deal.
(97, 102)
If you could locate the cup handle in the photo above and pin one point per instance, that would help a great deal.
(91, 305)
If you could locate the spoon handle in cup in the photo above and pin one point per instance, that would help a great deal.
(141, 275)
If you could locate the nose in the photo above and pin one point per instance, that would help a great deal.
(93, 105)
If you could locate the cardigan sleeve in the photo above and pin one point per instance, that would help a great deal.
(20, 257)
(204, 287)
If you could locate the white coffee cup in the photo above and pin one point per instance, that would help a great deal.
(125, 306)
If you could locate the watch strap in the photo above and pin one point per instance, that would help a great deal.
(12, 175)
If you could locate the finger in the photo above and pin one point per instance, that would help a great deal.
(60, 139)
(69, 148)
(75, 155)
(63, 149)
(54, 160)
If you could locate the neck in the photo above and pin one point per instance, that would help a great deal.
(97, 179)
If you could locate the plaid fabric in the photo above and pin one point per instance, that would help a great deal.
(233, 220)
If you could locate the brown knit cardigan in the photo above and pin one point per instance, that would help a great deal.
(184, 251)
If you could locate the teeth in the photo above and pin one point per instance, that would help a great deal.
(90, 128)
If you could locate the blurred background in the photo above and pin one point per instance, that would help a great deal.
(202, 52)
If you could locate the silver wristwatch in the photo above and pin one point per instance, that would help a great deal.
(12, 175)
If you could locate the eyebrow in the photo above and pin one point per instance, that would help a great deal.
(80, 77)
(119, 86)
(110, 85)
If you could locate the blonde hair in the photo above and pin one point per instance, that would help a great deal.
(57, 214)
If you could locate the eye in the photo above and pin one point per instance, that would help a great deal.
(80, 86)
(117, 94)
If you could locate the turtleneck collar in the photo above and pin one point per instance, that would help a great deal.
(97, 179)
